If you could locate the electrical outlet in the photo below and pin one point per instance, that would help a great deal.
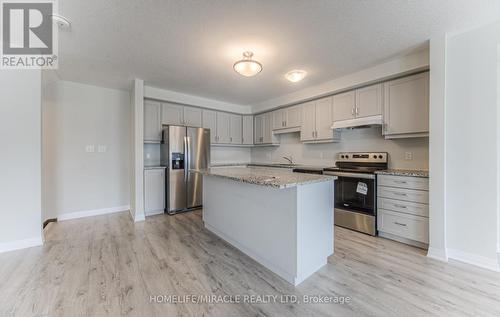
(408, 156)
(89, 149)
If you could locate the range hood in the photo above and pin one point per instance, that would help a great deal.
(358, 122)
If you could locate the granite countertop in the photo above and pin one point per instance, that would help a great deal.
(403, 172)
(278, 165)
(266, 177)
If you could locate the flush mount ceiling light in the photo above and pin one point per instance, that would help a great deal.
(247, 66)
(61, 21)
(295, 75)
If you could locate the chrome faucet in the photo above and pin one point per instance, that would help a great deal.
(289, 159)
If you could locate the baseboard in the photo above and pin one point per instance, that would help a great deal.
(437, 254)
(20, 244)
(90, 213)
(474, 259)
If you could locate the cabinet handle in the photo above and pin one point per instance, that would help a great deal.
(313, 134)
(357, 110)
(352, 111)
(400, 194)
(401, 182)
(400, 206)
(400, 224)
(230, 139)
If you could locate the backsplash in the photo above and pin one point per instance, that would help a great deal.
(357, 140)
(151, 154)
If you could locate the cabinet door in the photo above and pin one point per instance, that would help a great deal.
(324, 119)
(259, 129)
(154, 191)
(307, 131)
(406, 105)
(344, 105)
(369, 101)
(278, 119)
(293, 117)
(210, 122)
(172, 114)
(192, 117)
(223, 128)
(247, 137)
(236, 129)
(267, 132)
(152, 121)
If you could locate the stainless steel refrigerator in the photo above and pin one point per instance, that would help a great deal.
(184, 149)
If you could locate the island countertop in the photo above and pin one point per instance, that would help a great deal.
(266, 177)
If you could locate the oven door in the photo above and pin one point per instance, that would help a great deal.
(355, 200)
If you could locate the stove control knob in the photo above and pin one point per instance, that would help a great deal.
(347, 156)
(374, 156)
(380, 156)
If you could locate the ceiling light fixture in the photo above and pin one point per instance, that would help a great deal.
(61, 21)
(247, 66)
(295, 75)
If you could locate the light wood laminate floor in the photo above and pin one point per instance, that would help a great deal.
(109, 266)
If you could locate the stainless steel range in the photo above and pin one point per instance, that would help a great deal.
(355, 189)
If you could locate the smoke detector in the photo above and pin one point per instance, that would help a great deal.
(61, 21)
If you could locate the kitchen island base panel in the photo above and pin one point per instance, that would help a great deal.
(289, 231)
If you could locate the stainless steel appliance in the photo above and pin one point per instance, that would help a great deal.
(355, 189)
(182, 150)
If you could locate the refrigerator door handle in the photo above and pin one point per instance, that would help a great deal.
(187, 155)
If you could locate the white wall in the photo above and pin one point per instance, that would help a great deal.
(357, 140)
(471, 145)
(437, 149)
(20, 161)
(230, 155)
(79, 115)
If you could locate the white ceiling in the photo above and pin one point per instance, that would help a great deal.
(189, 46)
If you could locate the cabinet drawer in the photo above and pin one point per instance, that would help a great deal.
(406, 226)
(418, 196)
(403, 182)
(403, 206)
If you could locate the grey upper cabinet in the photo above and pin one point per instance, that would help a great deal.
(172, 114)
(247, 134)
(236, 129)
(344, 106)
(308, 130)
(324, 119)
(317, 121)
(358, 107)
(209, 119)
(192, 117)
(369, 101)
(293, 117)
(259, 130)
(223, 128)
(152, 121)
(406, 107)
(287, 118)
(263, 129)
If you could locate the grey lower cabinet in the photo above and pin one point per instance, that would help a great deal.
(154, 191)
(403, 209)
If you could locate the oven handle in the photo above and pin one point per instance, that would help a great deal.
(352, 175)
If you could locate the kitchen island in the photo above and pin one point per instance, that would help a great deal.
(281, 219)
